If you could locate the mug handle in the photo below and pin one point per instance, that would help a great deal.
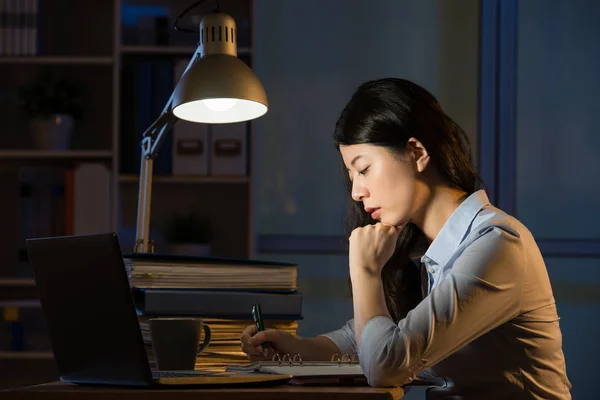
(206, 341)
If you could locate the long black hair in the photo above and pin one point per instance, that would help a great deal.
(388, 112)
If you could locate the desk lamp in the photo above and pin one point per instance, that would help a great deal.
(216, 87)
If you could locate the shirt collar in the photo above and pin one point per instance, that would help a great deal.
(455, 229)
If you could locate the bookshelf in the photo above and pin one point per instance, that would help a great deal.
(189, 179)
(102, 45)
(16, 282)
(41, 60)
(25, 355)
(49, 155)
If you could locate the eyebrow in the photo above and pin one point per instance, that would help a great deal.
(355, 158)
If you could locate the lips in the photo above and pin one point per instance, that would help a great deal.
(373, 211)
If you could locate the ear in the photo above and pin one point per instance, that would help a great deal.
(418, 154)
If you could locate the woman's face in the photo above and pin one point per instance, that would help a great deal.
(389, 186)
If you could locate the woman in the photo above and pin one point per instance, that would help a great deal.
(476, 307)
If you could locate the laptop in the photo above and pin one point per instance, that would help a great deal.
(92, 321)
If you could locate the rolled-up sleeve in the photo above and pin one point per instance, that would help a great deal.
(344, 338)
(482, 291)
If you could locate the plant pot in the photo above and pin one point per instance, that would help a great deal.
(52, 133)
(190, 249)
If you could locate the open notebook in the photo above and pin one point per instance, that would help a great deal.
(313, 372)
(344, 371)
(306, 370)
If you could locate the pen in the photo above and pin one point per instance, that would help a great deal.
(258, 320)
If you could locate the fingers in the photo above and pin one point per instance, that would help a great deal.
(264, 355)
(391, 228)
(253, 350)
(378, 229)
(252, 343)
(264, 336)
(247, 334)
(250, 349)
(258, 352)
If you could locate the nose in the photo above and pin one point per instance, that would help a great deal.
(359, 192)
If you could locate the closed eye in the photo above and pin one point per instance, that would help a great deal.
(363, 173)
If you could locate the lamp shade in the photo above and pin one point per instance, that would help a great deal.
(219, 88)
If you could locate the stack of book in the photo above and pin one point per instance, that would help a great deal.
(221, 291)
(225, 347)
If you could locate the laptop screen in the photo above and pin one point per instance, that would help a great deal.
(90, 315)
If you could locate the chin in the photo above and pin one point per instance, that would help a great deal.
(393, 222)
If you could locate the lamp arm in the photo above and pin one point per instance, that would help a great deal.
(152, 138)
(163, 124)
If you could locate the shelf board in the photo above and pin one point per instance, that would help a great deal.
(16, 282)
(24, 303)
(24, 154)
(187, 179)
(26, 355)
(169, 50)
(55, 60)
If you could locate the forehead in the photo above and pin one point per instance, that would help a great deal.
(350, 152)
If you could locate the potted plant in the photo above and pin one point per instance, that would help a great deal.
(188, 234)
(52, 105)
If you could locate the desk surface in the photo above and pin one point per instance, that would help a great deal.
(59, 390)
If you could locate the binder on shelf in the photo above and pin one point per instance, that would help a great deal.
(19, 27)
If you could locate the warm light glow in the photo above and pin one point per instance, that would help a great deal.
(220, 104)
(200, 111)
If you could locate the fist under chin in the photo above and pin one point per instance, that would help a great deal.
(393, 222)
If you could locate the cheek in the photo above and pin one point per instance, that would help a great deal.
(403, 193)
(407, 194)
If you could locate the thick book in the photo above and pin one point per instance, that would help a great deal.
(166, 271)
(218, 303)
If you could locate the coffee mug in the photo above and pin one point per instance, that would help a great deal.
(176, 341)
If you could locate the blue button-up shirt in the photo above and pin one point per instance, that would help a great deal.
(488, 325)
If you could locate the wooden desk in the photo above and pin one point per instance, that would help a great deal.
(59, 390)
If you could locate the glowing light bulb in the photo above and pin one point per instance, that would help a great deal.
(220, 104)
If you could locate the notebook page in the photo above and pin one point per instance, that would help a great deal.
(313, 370)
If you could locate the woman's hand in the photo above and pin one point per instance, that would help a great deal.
(371, 246)
(278, 341)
